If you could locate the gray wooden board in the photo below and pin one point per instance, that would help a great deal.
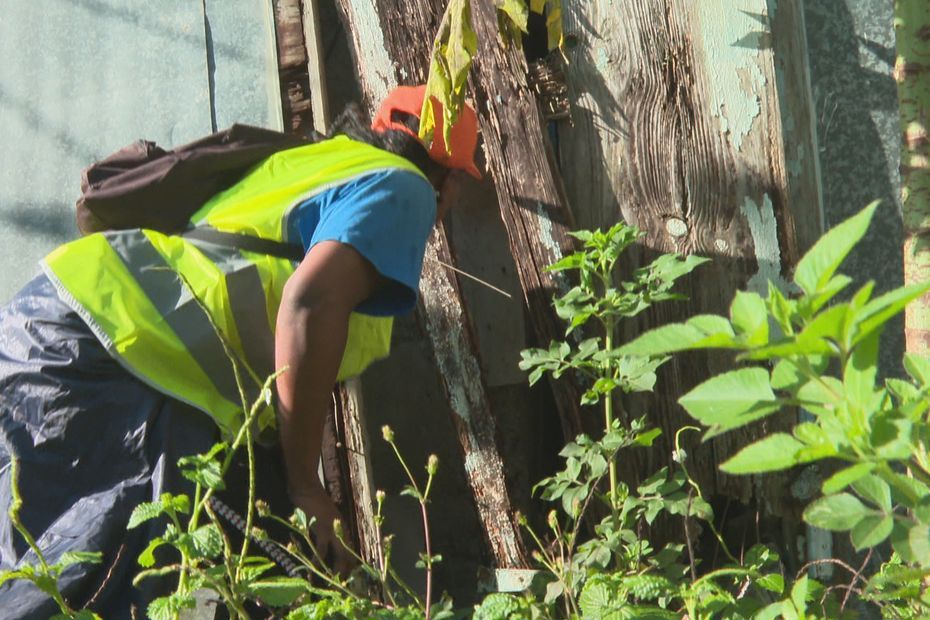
(81, 78)
(245, 77)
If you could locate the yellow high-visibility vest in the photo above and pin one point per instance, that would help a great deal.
(196, 320)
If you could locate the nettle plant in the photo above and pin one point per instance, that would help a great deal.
(597, 359)
(247, 578)
(614, 571)
(811, 351)
(43, 574)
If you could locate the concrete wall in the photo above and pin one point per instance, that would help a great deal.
(851, 44)
(81, 78)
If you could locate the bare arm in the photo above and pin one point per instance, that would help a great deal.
(310, 339)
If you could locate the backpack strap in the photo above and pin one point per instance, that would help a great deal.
(248, 243)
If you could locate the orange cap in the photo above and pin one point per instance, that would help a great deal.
(463, 136)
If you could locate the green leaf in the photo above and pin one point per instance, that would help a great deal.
(821, 396)
(774, 611)
(836, 285)
(145, 511)
(25, 572)
(731, 400)
(875, 490)
(816, 268)
(503, 606)
(773, 582)
(780, 307)
(597, 600)
(204, 469)
(918, 367)
(516, 11)
(453, 49)
(800, 593)
(147, 557)
(907, 490)
(750, 318)
(787, 376)
(836, 513)
(773, 453)
(880, 310)
(279, 591)
(69, 558)
(702, 331)
(912, 542)
(843, 478)
(207, 541)
(903, 390)
(860, 373)
(167, 607)
(870, 531)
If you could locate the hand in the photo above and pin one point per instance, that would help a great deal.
(316, 503)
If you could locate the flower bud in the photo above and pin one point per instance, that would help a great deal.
(552, 520)
(262, 507)
(338, 529)
(380, 496)
(387, 433)
(259, 534)
(432, 464)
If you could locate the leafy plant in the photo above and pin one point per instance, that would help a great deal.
(616, 573)
(43, 575)
(243, 579)
(456, 44)
(813, 351)
(597, 297)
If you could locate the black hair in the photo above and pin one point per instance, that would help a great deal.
(353, 124)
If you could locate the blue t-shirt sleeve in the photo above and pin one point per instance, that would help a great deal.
(387, 217)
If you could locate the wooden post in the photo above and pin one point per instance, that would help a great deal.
(677, 127)
(532, 202)
(292, 67)
(392, 40)
(316, 66)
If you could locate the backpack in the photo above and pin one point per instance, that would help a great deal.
(145, 186)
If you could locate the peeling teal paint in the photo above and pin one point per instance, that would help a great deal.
(731, 33)
(373, 52)
(602, 58)
(764, 230)
(547, 238)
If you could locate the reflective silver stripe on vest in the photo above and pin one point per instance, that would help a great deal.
(247, 303)
(175, 303)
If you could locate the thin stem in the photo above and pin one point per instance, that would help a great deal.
(609, 424)
(250, 509)
(15, 506)
(429, 559)
(697, 490)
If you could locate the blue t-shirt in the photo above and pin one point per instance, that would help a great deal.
(387, 217)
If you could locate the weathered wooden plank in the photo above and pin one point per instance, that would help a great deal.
(449, 328)
(293, 67)
(399, 53)
(677, 128)
(353, 431)
(316, 65)
(532, 204)
(798, 120)
(289, 29)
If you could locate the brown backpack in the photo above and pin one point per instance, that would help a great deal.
(145, 186)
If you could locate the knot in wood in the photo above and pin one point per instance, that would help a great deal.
(676, 227)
